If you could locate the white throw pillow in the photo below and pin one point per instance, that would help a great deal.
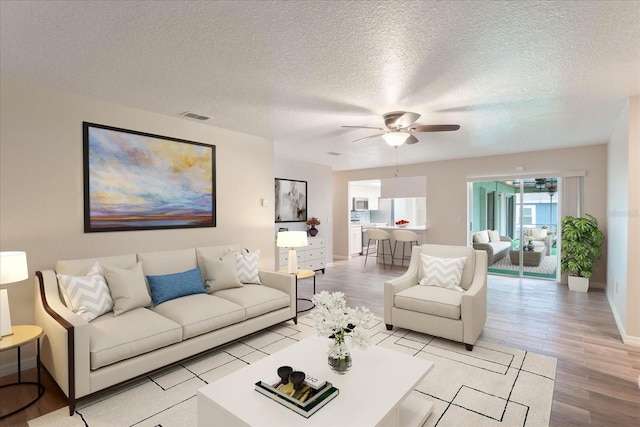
(481, 237)
(221, 273)
(128, 288)
(442, 272)
(494, 236)
(247, 266)
(538, 233)
(88, 296)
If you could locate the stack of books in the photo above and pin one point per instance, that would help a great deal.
(312, 396)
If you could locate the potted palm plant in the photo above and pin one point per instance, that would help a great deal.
(581, 241)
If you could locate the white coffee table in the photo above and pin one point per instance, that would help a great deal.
(375, 392)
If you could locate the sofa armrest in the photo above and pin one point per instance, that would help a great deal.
(65, 346)
(281, 281)
(484, 247)
(474, 301)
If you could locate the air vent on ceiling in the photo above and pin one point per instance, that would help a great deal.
(334, 153)
(195, 116)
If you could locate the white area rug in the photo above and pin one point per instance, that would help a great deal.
(492, 385)
(547, 266)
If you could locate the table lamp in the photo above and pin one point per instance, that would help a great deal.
(13, 268)
(292, 240)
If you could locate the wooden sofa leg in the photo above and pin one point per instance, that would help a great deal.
(389, 327)
(295, 320)
(72, 406)
(469, 347)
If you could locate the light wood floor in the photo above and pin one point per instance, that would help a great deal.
(596, 379)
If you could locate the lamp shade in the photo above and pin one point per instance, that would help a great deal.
(13, 267)
(292, 239)
(395, 139)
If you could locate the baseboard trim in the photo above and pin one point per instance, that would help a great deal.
(12, 368)
(626, 339)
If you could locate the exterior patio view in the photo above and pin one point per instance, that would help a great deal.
(517, 211)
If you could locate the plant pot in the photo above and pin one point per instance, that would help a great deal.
(578, 284)
(313, 231)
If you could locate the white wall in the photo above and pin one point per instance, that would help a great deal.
(447, 190)
(623, 209)
(41, 184)
(319, 197)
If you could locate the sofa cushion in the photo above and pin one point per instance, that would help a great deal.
(255, 299)
(135, 332)
(201, 313)
(221, 273)
(442, 272)
(481, 237)
(128, 288)
(170, 286)
(247, 266)
(88, 296)
(430, 300)
(494, 236)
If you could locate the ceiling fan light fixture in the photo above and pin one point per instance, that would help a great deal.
(395, 139)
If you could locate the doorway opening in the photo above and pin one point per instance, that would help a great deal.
(520, 219)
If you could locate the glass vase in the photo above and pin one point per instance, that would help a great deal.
(340, 366)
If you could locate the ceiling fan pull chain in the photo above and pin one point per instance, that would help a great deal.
(397, 168)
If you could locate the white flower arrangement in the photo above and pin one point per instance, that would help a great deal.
(335, 320)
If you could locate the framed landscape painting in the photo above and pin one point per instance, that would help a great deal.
(291, 200)
(140, 181)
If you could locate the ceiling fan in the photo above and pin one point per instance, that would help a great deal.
(400, 128)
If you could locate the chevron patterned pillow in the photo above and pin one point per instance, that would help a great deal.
(247, 265)
(442, 272)
(88, 296)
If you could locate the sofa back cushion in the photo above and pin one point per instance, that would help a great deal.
(494, 236)
(167, 262)
(79, 267)
(447, 251)
(538, 233)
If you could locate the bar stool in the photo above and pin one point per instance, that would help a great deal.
(379, 236)
(404, 237)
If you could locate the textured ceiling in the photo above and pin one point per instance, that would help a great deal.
(516, 76)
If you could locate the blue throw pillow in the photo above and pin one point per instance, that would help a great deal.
(170, 286)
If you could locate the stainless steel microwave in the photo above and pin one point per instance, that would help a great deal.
(360, 204)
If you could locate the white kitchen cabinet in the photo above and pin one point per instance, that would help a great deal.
(311, 257)
(355, 240)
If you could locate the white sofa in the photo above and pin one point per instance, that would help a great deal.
(495, 245)
(455, 312)
(540, 235)
(84, 357)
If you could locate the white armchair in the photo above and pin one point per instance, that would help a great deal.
(443, 312)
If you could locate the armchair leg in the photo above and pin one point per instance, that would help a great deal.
(389, 327)
(469, 347)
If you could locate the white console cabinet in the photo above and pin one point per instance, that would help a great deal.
(311, 257)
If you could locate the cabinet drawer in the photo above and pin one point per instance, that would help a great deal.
(314, 254)
(314, 265)
(315, 243)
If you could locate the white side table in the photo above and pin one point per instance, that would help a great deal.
(304, 274)
(22, 335)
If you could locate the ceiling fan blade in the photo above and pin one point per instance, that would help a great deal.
(400, 119)
(370, 136)
(363, 127)
(411, 140)
(433, 128)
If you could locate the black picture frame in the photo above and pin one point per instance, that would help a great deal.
(141, 181)
(290, 200)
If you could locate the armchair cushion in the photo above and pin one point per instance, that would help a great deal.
(442, 272)
(430, 300)
(538, 234)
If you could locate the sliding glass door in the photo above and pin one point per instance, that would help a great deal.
(525, 215)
